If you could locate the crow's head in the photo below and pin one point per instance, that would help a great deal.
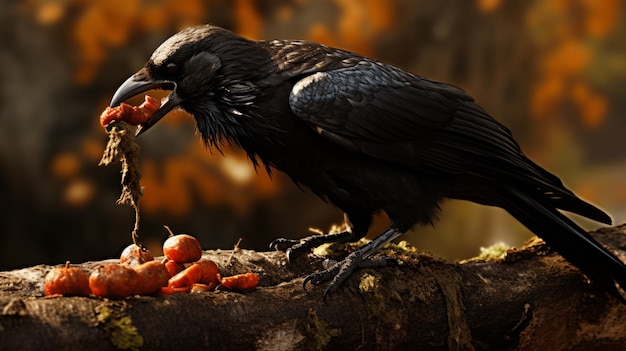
(203, 67)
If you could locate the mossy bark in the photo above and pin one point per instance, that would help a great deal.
(531, 300)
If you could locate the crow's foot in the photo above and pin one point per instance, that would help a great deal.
(341, 271)
(295, 248)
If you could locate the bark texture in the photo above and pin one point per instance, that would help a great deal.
(530, 300)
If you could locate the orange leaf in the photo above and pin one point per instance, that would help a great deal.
(546, 96)
(592, 106)
(249, 22)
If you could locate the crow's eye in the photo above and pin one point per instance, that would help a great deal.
(171, 68)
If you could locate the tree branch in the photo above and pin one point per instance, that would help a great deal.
(530, 300)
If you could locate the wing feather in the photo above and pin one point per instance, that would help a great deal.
(398, 117)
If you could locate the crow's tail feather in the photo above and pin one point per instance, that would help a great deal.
(568, 239)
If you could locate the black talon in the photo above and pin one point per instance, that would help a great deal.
(290, 255)
(272, 246)
(306, 280)
(329, 290)
(282, 244)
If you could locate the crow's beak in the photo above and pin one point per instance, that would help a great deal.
(141, 82)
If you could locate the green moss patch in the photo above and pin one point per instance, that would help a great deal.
(119, 328)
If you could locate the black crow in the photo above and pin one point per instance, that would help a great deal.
(365, 136)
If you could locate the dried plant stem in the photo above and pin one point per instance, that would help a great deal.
(123, 148)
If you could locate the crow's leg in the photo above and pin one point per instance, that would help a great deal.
(340, 271)
(294, 248)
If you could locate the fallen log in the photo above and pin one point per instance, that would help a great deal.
(531, 299)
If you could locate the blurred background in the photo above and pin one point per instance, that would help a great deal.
(553, 71)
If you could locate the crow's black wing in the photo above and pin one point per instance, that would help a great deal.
(436, 128)
(392, 115)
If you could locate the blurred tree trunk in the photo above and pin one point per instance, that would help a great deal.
(531, 300)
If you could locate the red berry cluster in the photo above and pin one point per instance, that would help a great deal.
(182, 270)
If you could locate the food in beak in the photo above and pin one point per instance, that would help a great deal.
(134, 115)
